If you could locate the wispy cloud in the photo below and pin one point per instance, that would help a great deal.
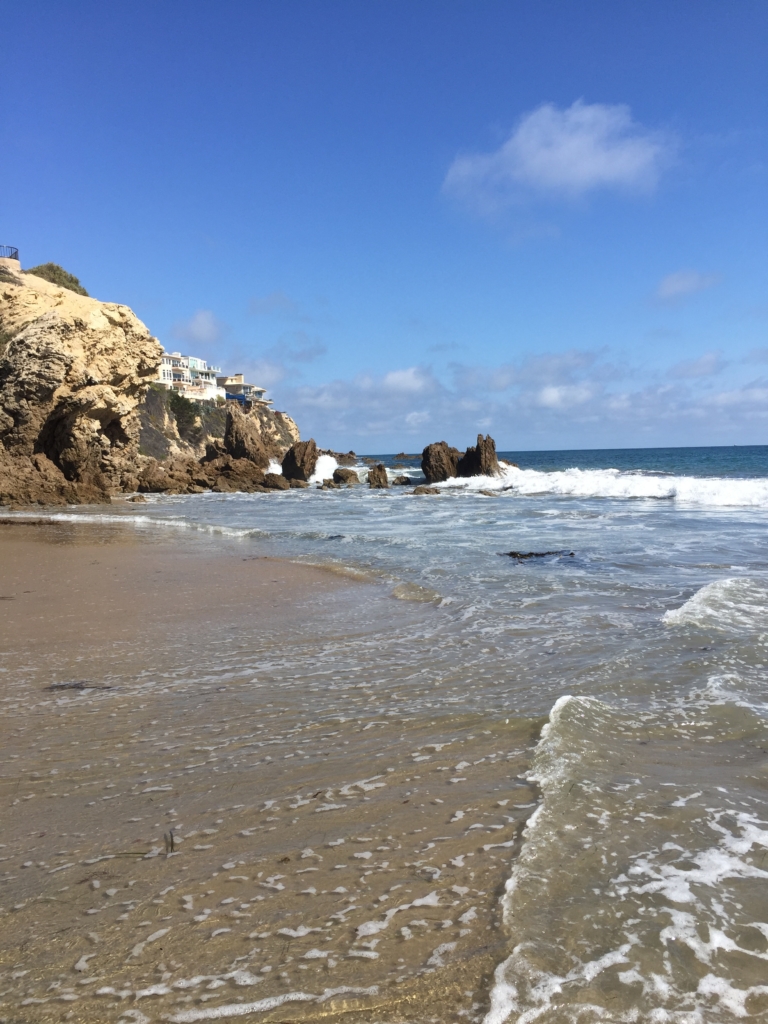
(707, 365)
(563, 153)
(202, 328)
(274, 302)
(297, 347)
(675, 287)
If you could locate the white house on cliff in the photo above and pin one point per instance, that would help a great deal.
(193, 378)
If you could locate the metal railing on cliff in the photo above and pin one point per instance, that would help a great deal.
(9, 252)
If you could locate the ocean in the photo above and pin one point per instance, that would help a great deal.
(624, 667)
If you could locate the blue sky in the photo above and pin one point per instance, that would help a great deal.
(416, 221)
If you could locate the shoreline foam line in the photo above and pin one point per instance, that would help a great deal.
(503, 994)
(271, 1003)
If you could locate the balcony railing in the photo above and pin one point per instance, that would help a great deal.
(9, 252)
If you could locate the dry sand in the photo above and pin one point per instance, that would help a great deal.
(333, 856)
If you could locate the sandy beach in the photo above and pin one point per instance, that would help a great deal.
(333, 856)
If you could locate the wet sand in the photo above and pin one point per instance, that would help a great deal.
(334, 854)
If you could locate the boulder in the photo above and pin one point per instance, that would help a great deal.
(346, 476)
(377, 477)
(276, 482)
(297, 483)
(329, 484)
(402, 481)
(439, 462)
(479, 460)
(423, 489)
(300, 460)
(243, 440)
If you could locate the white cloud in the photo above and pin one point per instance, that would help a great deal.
(416, 419)
(563, 153)
(683, 283)
(411, 380)
(564, 396)
(202, 328)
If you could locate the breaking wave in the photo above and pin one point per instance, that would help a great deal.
(614, 483)
(730, 604)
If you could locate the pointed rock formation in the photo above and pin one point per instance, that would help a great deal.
(480, 460)
(439, 462)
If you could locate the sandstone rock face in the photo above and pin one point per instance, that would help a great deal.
(345, 476)
(439, 462)
(72, 373)
(377, 477)
(243, 439)
(480, 460)
(278, 431)
(300, 460)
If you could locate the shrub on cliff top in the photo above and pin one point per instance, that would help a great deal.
(57, 275)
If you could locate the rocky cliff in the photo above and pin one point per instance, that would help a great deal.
(80, 421)
(73, 371)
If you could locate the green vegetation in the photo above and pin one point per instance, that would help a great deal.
(57, 275)
(195, 422)
(185, 411)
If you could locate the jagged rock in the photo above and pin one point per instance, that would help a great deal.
(276, 482)
(243, 438)
(298, 483)
(300, 460)
(345, 458)
(345, 476)
(377, 477)
(402, 481)
(480, 460)
(423, 489)
(329, 485)
(439, 462)
(72, 373)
